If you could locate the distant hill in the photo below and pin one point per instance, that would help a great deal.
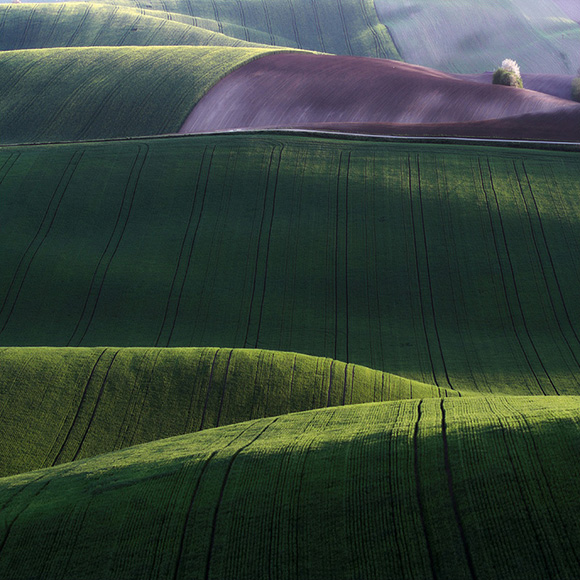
(79, 24)
(471, 37)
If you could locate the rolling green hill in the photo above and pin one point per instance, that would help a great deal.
(464, 36)
(336, 26)
(66, 404)
(450, 265)
(456, 488)
(51, 25)
(68, 94)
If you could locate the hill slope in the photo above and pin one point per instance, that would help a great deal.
(452, 266)
(456, 488)
(60, 405)
(336, 26)
(467, 37)
(67, 94)
(78, 24)
(327, 89)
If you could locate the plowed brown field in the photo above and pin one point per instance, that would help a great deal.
(301, 90)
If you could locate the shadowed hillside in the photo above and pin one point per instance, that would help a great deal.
(455, 488)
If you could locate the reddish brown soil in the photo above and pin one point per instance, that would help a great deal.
(561, 126)
(298, 90)
(555, 85)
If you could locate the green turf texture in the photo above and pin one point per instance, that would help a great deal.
(60, 405)
(70, 94)
(349, 27)
(452, 266)
(24, 26)
(456, 488)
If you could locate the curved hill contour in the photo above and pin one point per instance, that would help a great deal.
(333, 26)
(24, 26)
(66, 404)
(450, 265)
(464, 36)
(285, 90)
(68, 94)
(454, 488)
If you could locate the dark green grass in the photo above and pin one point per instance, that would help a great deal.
(25, 26)
(455, 488)
(336, 26)
(452, 266)
(69, 94)
(59, 405)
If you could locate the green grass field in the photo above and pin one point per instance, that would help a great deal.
(453, 266)
(69, 94)
(466, 37)
(24, 26)
(65, 404)
(337, 26)
(455, 488)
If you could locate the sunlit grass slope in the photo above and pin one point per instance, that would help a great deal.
(449, 488)
(466, 36)
(336, 26)
(59, 405)
(453, 266)
(81, 93)
(80, 24)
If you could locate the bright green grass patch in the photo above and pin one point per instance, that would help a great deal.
(59, 405)
(336, 26)
(68, 94)
(80, 24)
(452, 266)
(453, 488)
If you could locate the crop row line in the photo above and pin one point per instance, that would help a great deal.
(22, 43)
(217, 17)
(80, 25)
(25, 263)
(536, 245)
(221, 495)
(344, 29)
(243, 20)
(208, 391)
(136, 422)
(452, 495)
(186, 249)
(503, 278)
(549, 253)
(294, 23)
(106, 25)
(225, 384)
(100, 273)
(268, 22)
(98, 400)
(513, 277)
(428, 270)
(318, 27)
(270, 227)
(418, 273)
(504, 430)
(58, 456)
(421, 510)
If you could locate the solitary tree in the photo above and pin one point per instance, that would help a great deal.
(508, 74)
